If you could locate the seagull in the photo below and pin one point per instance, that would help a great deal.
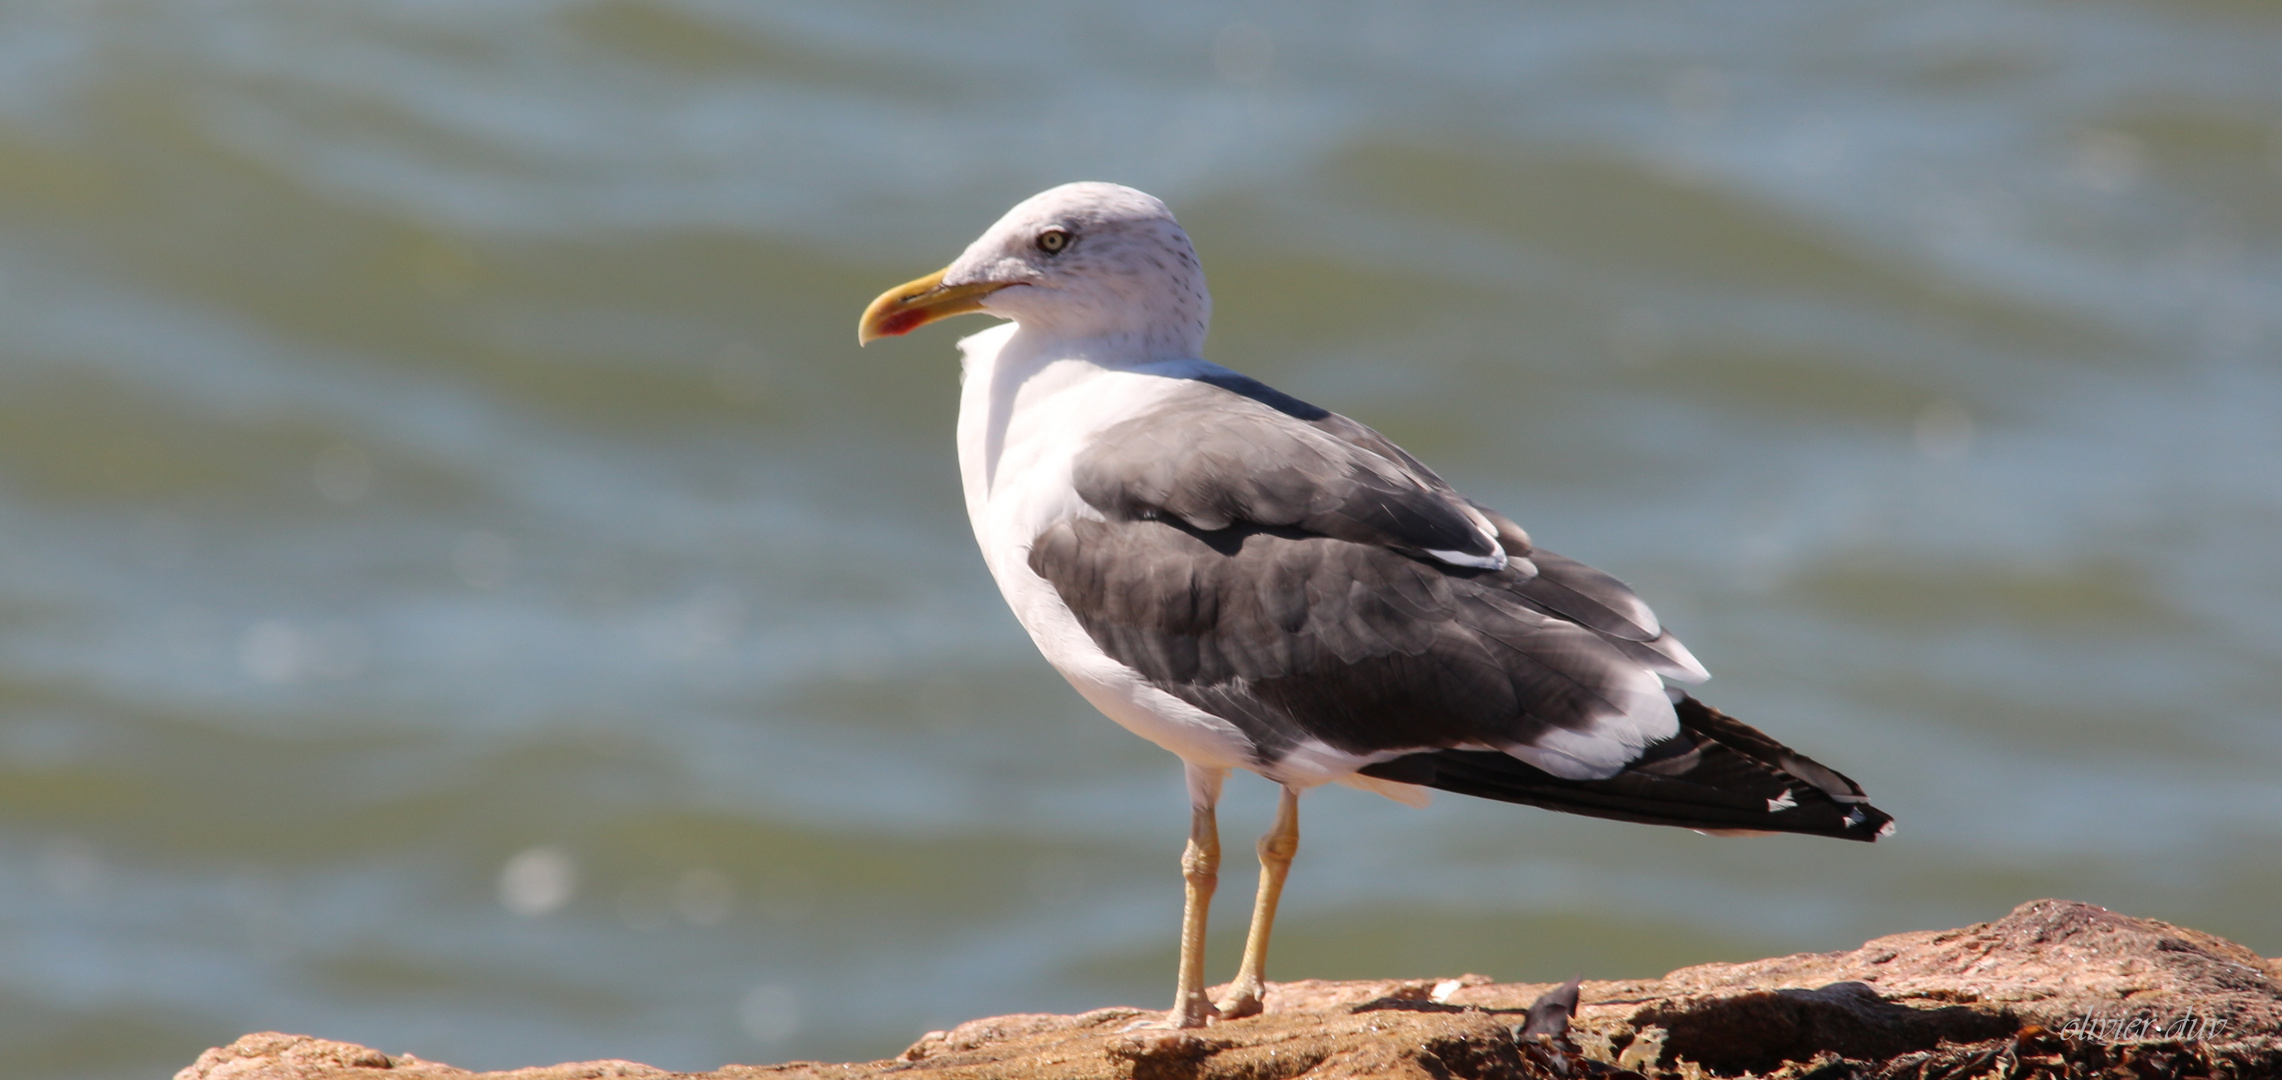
(1253, 582)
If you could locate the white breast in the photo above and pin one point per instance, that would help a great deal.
(1024, 414)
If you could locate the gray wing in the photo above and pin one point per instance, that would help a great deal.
(1285, 568)
(1554, 582)
(1597, 600)
(1295, 637)
(1215, 456)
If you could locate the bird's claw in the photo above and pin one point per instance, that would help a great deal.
(1242, 1001)
(1176, 1020)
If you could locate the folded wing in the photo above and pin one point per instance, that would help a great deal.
(1293, 572)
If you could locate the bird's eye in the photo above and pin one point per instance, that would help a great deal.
(1053, 240)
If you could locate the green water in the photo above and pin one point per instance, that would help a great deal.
(463, 591)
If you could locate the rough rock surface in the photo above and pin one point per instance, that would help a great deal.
(2055, 989)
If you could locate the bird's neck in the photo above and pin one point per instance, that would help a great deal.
(1032, 349)
(1014, 369)
(1014, 356)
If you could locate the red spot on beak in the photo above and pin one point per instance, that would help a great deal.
(901, 323)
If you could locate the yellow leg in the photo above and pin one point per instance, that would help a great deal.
(1200, 871)
(1276, 850)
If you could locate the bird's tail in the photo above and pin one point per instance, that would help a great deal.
(1718, 775)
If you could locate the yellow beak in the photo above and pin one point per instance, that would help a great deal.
(914, 304)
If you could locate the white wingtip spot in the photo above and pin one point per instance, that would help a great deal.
(1689, 669)
(1495, 560)
(1784, 803)
(1885, 830)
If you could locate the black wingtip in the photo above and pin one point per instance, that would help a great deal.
(1717, 775)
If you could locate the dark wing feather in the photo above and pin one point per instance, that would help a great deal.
(1562, 585)
(1294, 636)
(1285, 568)
(1717, 774)
(1580, 593)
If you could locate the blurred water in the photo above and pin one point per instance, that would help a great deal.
(463, 591)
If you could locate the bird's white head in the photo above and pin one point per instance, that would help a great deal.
(1090, 262)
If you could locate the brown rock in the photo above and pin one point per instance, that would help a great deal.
(269, 1055)
(2055, 989)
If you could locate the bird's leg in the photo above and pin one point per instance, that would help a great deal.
(1200, 871)
(1277, 847)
